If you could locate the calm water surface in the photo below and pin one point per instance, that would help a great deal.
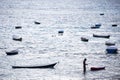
(42, 45)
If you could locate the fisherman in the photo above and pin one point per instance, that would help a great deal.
(84, 65)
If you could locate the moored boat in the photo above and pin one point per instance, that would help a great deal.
(43, 66)
(84, 39)
(17, 39)
(13, 52)
(95, 27)
(109, 43)
(97, 68)
(101, 36)
(37, 22)
(112, 50)
(18, 27)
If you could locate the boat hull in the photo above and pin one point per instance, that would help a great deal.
(101, 36)
(14, 52)
(97, 68)
(44, 66)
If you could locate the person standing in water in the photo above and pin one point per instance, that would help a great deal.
(84, 65)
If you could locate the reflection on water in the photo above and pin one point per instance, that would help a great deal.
(41, 44)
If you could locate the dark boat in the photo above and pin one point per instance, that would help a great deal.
(95, 27)
(112, 50)
(13, 52)
(17, 39)
(109, 43)
(61, 31)
(84, 39)
(18, 27)
(37, 22)
(101, 14)
(43, 66)
(97, 68)
(114, 25)
(101, 36)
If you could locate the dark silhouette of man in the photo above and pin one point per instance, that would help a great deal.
(84, 65)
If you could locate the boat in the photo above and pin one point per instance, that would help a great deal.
(114, 25)
(112, 50)
(95, 27)
(18, 27)
(37, 22)
(61, 31)
(13, 52)
(84, 39)
(101, 14)
(109, 43)
(101, 36)
(43, 66)
(17, 39)
(97, 68)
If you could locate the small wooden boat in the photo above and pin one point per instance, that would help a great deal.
(101, 14)
(101, 36)
(97, 68)
(13, 52)
(43, 66)
(37, 22)
(18, 27)
(114, 25)
(109, 43)
(17, 39)
(95, 27)
(112, 50)
(84, 39)
(61, 31)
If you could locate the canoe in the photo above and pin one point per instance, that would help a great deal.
(61, 31)
(37, 22)
(114, 25)
(101, 13)
(43, 66)
(101, 36)
(13, 52)
(95, 27)
(97, 68)
(17, 39)
(18, 27)
(109, 43)
(84, 39)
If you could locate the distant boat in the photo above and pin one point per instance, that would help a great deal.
(114, 25)
(17, 39)
(101, 36)
(37, 22)
(18, 27)
(97, 68)
(96, 26)
(84, 39)
(101, 14)
(13, 52)
(61, 31)
(43, 66)
(112, 50)
(109, 43)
